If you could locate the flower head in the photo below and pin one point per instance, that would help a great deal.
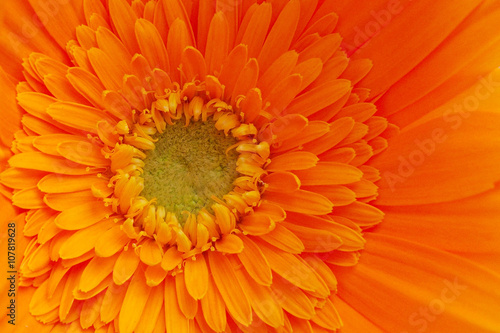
(221, 166)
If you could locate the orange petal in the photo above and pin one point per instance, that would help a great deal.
(329, 173)
(152, 312)
(83, 152)
(256, 30)
(325, 25)
(262, 300)
(339, 195)
(133, 92)
(15, 44)
(309, 70)
(96, 270)
(314, 129)
(155, 275)
(284, 128)
(48, 231)
(117, 105)
(48, 143)
(256, 224)
(213, 308)
(300, 201)
(328, 317)
(324, 48)
(246, 80)
(110, 44)
(353, 320)
(284, 239)
(134, 303)
(317, 263)
(110, 76)
(281, 261)
(36, 219)
(222, 271)
(86, 37)
(206, 11)
(283, 93)
(94, 7)
(251, 105)
(364, 188)
(300, 325)
(152, 45)
(40, 304)
(68, 297)
(255, 263)
(279, 69)
(36, 103)
(111, 241)
(187, 304)
(361, 213)
(357, 70)
(193, 64)
(82, 216)
(319, 97)
(217, 43)
(196, 276)
(280, 36)
(171, 259)
(175, 320)
(125, 266)
(340, 155)
(29, 198)
(232, 66)
(229, 243)
(175, 9)
(55, 183)
(61, 88)
(281, 182)
(339, 129)
(112, 302)
(360, 112)
(87, 84)
(64, 17)
(17, 178)
(78, 116)
(150, 252)
(296, 160)
(83, 241)
(56, 279)
(123, 18)
(313, 239)
(90, 311)
(292, 299)
(178, 39)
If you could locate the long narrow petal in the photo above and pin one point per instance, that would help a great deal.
(82, 216)
(134, 303)
(196, 276)
(222, 271)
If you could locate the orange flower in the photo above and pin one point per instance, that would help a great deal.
(225, 166)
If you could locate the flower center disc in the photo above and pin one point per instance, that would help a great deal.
(188, 166)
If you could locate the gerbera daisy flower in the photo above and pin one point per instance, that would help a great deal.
(250, 166)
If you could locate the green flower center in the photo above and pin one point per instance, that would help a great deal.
(188, 166)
